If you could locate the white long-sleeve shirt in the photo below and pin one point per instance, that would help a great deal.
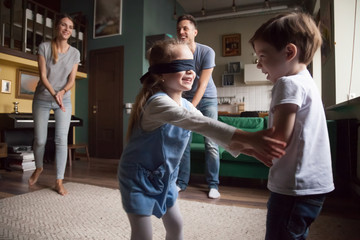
(164, 109)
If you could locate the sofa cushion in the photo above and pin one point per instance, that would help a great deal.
(250, 124)
(244, 170)
(266, 122)
(198, 150)
(241, 158)
(241, 166)
(198, 147)
(197, 138)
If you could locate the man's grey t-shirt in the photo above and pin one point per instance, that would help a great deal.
(58, 73)
(204, 57)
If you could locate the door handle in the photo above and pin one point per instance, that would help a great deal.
(94, 109)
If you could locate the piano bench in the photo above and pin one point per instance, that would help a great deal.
(72, 149)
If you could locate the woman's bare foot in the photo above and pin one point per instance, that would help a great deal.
(59, 187)
(35, 176)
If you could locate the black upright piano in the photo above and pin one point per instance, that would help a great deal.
(18, 130)
(25, 120)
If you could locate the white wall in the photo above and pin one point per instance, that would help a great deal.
(340, 69)
(316, 70)
(257, 98)
(210, 33)
(336, 77)
(341, 73)
(345, 40)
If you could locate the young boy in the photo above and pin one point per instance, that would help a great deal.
(299, 180)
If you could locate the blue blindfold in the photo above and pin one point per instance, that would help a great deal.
(172, 67)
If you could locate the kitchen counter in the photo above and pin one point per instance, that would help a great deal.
(229, 114)
(352, 102)
(345, 110)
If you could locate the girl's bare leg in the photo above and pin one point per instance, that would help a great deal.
(35, 176)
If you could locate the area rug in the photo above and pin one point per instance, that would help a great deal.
(91, 212)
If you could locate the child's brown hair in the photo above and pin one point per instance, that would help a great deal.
(297, 28)
(160, 52)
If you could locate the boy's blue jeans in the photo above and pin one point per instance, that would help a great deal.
(41, 112)
(209, 108)
(289, 217)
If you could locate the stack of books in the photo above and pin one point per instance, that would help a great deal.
(23, 161)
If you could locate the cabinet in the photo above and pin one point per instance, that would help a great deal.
(253, 75)
(228, 79)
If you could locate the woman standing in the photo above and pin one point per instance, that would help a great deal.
(58, 64)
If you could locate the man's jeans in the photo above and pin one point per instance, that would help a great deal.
(41, 111)
(209, 108)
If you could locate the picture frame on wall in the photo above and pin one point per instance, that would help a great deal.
(5, 86)
(231, 45)
(234, 67)
(107, 18)
(228, 80)
(26, 82)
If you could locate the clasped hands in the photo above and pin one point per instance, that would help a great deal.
(59, 97)
(260, 145)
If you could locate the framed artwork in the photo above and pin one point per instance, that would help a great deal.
(231, 45)
(26, 83)
(5, 86)
(228, 80)
(234, 67)
(107, 18)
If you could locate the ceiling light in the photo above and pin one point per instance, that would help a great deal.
(242, 13)
(203, 8)
(267, 4)
(174, 14)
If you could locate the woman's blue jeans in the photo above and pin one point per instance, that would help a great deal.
(209, 108)
(289, 217)
(41, 112)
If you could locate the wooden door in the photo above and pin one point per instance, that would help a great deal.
(106, 102)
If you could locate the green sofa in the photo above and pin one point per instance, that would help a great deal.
(242, 166)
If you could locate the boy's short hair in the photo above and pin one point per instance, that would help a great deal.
(295, 27)
(187, 17)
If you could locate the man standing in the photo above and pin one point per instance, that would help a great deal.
(203, 96)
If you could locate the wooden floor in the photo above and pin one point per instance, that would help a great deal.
(234, 191)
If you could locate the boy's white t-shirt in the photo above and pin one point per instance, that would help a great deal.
(305, 169)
